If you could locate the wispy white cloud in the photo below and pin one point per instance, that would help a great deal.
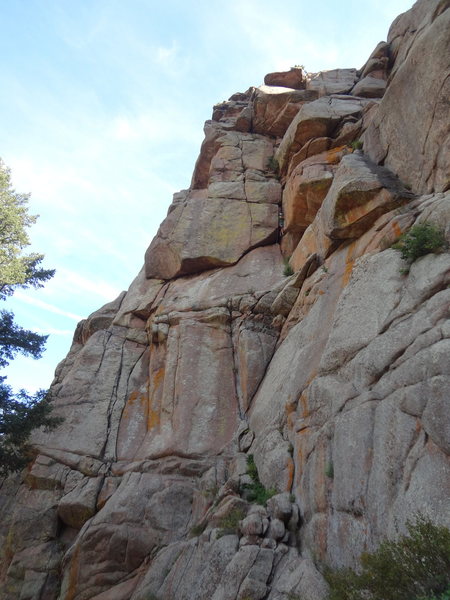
(103, 108)
(72, 281)
(274, 35)
(161, 124)
(48, 180)
(53, 331)
(46, 306)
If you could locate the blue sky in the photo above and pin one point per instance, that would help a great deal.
(102, 110)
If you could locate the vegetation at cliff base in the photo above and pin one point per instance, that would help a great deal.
(20, 412)
(414, 567)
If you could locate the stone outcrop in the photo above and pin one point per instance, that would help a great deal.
(334, 378)
(295, 79)
(335, 81)
(418, 120)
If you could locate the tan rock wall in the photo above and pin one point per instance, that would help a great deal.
(418, 120)
(334, 378)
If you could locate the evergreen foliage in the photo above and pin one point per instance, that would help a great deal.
(20, 413)
(229, 524)
(287, 270)
(421, 239)
(415, 567)
(255, 491)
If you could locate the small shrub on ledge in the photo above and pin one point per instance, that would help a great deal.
(255, 491)
(356, 145)
(273, 165)
(421, 239)
(288, 270)
(229, 525)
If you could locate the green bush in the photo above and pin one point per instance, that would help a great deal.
(255, 491)
(288, 270)
(198, 529)
(444, 596)
(356, 145)
(273, 165)
(230, 523)
(421, 239)
(415, 567)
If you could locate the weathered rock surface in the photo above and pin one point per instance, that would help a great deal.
(319, 119)
(275, 107)
(335, 81)
(304, 192)
(370, 87)
(217, 225)
(419, 119)
(334, 378)
(294, 78)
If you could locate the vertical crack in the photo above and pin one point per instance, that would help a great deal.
(112, 401)
(126, 393)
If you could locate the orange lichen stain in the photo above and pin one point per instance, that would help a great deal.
(347, 271)
(334, 155)
(290, 408)
(158, 378)
(129, 405)
(321, 292)
(154, 411)
(73, 575)
(303, 402)
(396, 228)
(320, 538)
(153, 419)
(311, 377)
(299, 456)
(290, 480)
(290, 420)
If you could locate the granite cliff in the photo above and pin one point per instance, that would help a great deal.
(334, 378)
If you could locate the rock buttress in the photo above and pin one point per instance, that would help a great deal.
(335, 378)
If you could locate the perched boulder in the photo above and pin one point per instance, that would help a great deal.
(295, 79)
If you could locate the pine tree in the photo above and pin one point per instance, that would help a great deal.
(20, 413)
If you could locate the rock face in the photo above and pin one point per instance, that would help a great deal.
(335, 378)
(420, 47)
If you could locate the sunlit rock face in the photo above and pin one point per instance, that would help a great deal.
(334, 378)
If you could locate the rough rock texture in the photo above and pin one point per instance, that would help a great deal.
(418, 120)
(295, 79)
(334, 378)
(336, 81)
